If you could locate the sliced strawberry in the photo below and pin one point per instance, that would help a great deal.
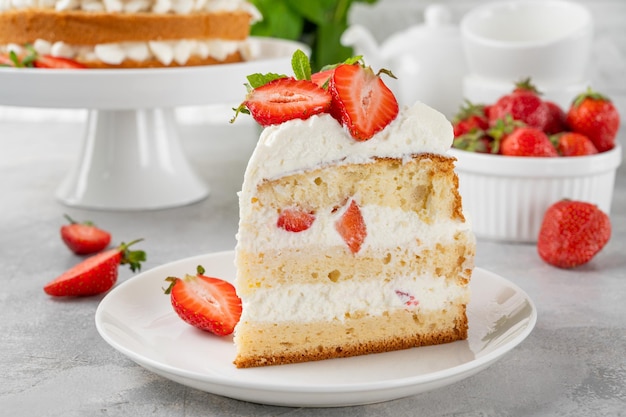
(351, 227)
(207, 303)
(96, 274)
(286, 99)
(322, 78)
(84, 238)
(361, 101)
(56, 62)
(295, 219)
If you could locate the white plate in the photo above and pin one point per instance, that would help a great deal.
(144, 87)
(137, 319)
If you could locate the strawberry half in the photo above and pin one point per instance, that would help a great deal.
(285, 99)
(361, 101)
(351, 227)
(84, 238)
(295, 219)
(207, 303)
(96, 274)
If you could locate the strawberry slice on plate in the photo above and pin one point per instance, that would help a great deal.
(204, 302)
(285, 99)
(96, 274)
(361, 100)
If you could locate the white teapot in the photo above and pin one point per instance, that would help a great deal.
(428, 60)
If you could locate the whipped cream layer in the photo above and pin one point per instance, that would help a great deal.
(386, 227)
(320, 302)
(301, 145)
(135, 6)
(165, 52)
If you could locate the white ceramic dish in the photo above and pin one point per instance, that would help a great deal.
(131, 158)
(548, 40)
(119, 89)
(136, 318)
(506, 197)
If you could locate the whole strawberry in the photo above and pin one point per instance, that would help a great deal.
(469, 118)
(527, 141)
(84, 238)
(572, 233)
(595, 116)
(96, 274)
(556, 119)
(207, 303)
(523, 104)
(573, 144)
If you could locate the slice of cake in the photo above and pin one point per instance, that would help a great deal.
(352, 238)
(129, 33)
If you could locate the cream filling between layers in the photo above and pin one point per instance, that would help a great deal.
(386, 228)
(165, 52)
(341, 300)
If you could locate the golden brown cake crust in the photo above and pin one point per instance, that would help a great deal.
(327, 340)
(91, 28)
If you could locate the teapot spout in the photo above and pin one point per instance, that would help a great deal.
(363, 43)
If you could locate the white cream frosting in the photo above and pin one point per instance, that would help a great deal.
(315, 302)
(165, 52)
(135, 6)
(301, 145)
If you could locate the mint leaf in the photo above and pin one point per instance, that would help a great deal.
(301, 65)
(257, 80)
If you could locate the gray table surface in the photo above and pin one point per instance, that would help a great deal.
(54, 363)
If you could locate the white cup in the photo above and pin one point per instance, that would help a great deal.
(547, 40)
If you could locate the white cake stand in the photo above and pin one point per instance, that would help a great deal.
(131, 158)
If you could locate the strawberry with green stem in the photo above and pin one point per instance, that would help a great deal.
(84, 238)
(208, 303)
(275, 98)
(595, 116)
(524, 104)
(469, 118)
(96, 274)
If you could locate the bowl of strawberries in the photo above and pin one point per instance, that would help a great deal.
(520, 154)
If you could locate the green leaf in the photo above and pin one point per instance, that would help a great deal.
(279, 20)
(301, 65)
(257, 79)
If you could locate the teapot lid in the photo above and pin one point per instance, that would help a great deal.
(437, 29)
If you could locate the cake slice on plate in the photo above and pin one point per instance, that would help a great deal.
(352, 237)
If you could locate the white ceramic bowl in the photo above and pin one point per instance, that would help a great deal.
(547, 40)
(506, 197)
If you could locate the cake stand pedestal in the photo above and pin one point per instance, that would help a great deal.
(131, 156)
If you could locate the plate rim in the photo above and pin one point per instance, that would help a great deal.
(475, 364)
